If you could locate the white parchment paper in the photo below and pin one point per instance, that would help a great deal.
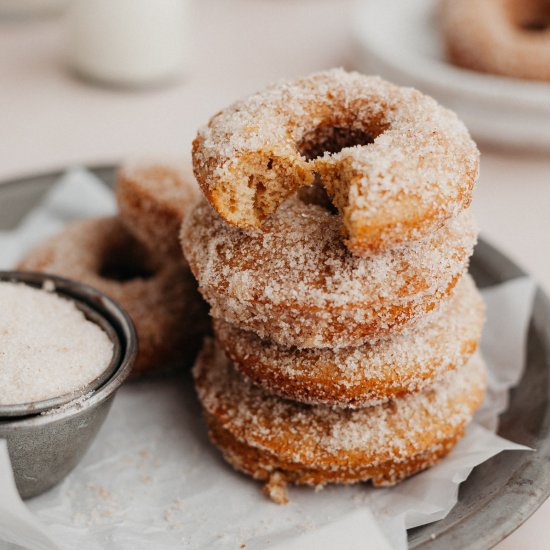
(152, 479)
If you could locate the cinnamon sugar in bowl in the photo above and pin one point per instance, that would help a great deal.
(65, 348)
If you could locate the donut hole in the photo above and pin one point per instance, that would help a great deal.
(536, 25)
(331, 139)
(316, 194)
(320, 145)
(126, 261)
(532, 16)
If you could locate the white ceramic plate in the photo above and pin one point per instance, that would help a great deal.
(400, 41)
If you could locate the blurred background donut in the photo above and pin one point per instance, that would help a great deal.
(505, 37)
(152, 199)
(159, 293)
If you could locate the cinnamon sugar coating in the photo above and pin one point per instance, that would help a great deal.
(395, 163)
(504, 37)
(152, 200)
(293, 281)
(369, 374)
(159, 294)
(263, 435)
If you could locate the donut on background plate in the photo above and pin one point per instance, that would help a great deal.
(504, 37)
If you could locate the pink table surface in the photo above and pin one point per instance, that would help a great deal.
(50, 120)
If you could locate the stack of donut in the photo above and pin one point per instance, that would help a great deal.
(332, 246)
(135, 258)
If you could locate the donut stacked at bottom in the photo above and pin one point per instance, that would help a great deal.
(280, 441)
(135, 259)
(334, 362)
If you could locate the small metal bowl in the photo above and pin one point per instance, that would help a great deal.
(37, 280)
(47, 439)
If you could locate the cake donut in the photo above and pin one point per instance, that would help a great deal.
(294, 282)
(394, 163)
(366, 375)
(282, 441)
(152, 200)
(504, 37)
(159, 294)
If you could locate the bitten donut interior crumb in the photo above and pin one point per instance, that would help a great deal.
(47, 346)
(395, 163)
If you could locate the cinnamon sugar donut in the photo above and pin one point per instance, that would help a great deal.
(394, 162)
(152, 200)
(264, 436)
(294, 282)
(504, 37)
(367, 375)
(159, 294)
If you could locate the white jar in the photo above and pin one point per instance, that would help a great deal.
(128, 42)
